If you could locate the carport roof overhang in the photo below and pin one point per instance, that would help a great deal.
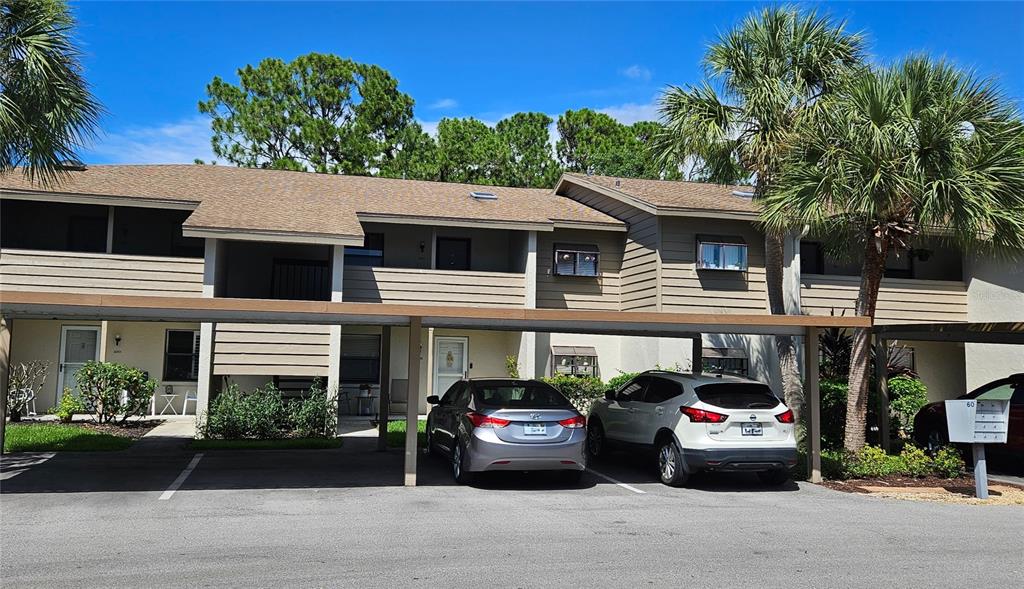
(978, 333)
(44, 305)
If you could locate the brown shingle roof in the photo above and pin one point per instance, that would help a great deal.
(273, 200)
(670, 194)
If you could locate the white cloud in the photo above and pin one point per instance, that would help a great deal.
(637, 72)
(632, 112)
(168, 143)
(444, 103)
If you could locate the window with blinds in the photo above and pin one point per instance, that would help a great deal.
(576, 260)
(360, 359)
(181, 355)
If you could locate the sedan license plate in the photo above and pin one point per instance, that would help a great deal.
(535, 429)
(752, 429)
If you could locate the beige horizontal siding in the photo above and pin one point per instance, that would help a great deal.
(684, 289)
(899, 300)
(90, 273)
(271, 349)
(434, 287)
(639, 270)
(598, 293)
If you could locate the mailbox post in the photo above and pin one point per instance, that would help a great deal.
(980, 421)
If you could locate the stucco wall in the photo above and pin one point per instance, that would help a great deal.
(995, 292)
(941, 368)
(142, 346)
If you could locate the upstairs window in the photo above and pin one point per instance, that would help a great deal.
(721, 253)
(574, 360)
(576, 260)
(371, 253)
(812, 258)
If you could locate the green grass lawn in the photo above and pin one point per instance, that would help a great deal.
(396, 433)
(55, 437)
(281, 444)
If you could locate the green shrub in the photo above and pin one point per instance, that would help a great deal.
(617, 381)
(233, 414)
(872, 462)
(110, 390)
(316, 415)
(948, 463)
(914, 462)
(906, 397)
(68, 407)
(833, 412)
(581, 391)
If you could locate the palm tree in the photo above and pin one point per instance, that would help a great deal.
(46, 109)
(771, 72)
(917, 148)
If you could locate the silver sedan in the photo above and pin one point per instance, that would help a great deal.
(506, 424)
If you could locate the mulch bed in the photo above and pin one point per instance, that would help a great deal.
(130, 429)
(963, 485)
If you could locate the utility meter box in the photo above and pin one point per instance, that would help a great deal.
(978, 421)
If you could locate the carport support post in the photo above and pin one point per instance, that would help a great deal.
(384, 413)
(813, 396)
(413, 399)
(6, 325)
(882, 378)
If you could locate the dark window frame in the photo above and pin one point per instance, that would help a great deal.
(366, 254)
(373, 360)
(194, 355)
(576, 250)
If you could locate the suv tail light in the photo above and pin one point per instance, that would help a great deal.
(786, 416)
(479, 420)
(574, 422)
(702, 415)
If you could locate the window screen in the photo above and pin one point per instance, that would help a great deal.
(181, 355)
(360, 359)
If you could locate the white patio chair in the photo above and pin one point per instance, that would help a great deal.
(190, 396)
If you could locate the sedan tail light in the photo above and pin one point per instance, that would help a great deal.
(702, 415)
(786, 416)
(480, 420)
(574, 422)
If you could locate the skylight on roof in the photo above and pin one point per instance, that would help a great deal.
(483, 195)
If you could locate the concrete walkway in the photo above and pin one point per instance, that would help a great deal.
(170, 436)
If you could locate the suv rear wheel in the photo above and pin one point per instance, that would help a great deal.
(670, 464)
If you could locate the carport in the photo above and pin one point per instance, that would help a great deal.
(44, 305)
(968, 333)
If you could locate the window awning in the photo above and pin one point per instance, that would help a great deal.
(723, 353)
(573, 351)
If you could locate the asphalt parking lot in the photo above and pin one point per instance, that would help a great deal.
(342, 518)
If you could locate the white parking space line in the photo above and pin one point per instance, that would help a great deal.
(181, 478)
(619, 483)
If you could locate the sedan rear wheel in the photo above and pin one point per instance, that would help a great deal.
(670, 465)
(462, 476)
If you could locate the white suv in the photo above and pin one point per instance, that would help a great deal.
(697, 422)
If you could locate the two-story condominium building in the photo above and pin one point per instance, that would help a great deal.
(592, 243)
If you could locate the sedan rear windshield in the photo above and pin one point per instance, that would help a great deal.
(530, 397)
(737, 395)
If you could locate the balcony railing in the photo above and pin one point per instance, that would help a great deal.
(271, 349)
(434, 287)
(900, 300)
(89, 273)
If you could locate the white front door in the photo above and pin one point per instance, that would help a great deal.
(78, 345)
(451, 362)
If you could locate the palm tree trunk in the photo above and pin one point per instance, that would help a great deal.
(860, 354)
(792, 388)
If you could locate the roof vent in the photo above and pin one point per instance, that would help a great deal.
(483, 195)
(743, 193)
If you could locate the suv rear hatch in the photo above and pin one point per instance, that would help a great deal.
(751, 410)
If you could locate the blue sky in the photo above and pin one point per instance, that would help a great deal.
(149, 63)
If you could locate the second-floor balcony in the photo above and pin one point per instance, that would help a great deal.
(100, 273)
(418, 286)
(900, 300)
